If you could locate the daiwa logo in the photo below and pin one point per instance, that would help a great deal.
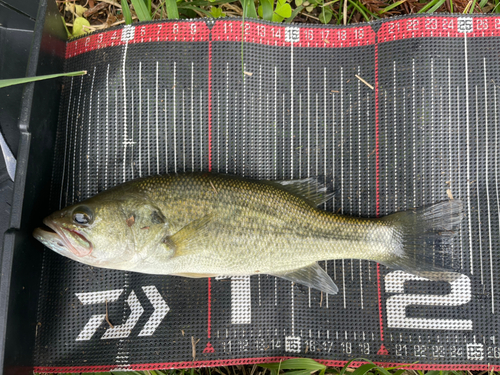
(121, 331)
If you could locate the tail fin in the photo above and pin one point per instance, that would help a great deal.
(423, 239)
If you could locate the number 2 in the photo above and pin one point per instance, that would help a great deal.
(396, 305)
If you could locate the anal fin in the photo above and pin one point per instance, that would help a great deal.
(312, 276)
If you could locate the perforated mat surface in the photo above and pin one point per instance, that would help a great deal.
(401, 113)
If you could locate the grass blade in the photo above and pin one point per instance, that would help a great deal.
(172, 10)
(428, 6)
(196, 9)
(141, 10)
(471, 10)
(295, 364)
(126, 12)
(249, 9)
(148, 5)
(363, 369)
(18, 81)
(392, 6)
(294, 14)
(360, 10)
(437, 6)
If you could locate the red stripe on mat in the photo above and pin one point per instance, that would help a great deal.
(244, 361)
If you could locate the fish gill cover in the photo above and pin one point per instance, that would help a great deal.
(398, 113)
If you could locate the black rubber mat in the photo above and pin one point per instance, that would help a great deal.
(401, 113)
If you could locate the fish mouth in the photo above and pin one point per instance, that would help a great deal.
(51, 229)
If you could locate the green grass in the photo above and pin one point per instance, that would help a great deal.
(297, 366)
(304, 11)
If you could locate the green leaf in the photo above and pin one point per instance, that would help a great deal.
(326, 15)
(148, 5)
(295, 364)
(141, 10)
(249, 9)
(294, 14)
(392, 6)
(172, 10)
(298, 3)
(78, 26)
(217, 12)
(266, 9)
(283, 11)
(483, 3)
(363, 369)
(126, 12)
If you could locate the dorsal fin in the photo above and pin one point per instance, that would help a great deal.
(311, 189)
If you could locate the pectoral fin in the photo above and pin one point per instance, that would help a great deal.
(313, 276)
(190, 238)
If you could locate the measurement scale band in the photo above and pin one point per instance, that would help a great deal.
(393, 126)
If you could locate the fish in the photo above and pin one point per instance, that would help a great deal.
(207, 224)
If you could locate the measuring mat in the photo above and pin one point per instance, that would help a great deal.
(398, 113)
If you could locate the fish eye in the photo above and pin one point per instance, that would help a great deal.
(83, 215)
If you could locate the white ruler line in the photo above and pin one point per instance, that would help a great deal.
(124, 79)
(487, 186)
(259, 173)
(140, 120)
(477, 192)
(300, 135)
(97, 141)
(317, 137)
(359, 187)
(244, 125)
(165, 130)
(88, 192)
(405, 203)
(202, 153)
(66, 141)
(132, 135)
(433, 168)
(324, 129)
(183, 131)
(350, 197)
(468, 154)
(115, 145)
(291, 110)
(413, 136)
(149, 137)
(496, 168)
(175, 120)
(450, 157)
(423, 151)
(395, 137)
(342, 143)
(308, 123)
(219, 130)
(460, 196)
(227, 117)
(235, 138)
(192, 117)
(275, 122)
(80, 152)
(386, 132)
(333, 171)
(343, 283)
(157, 131)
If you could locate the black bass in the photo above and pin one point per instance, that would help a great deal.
(205, 224)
